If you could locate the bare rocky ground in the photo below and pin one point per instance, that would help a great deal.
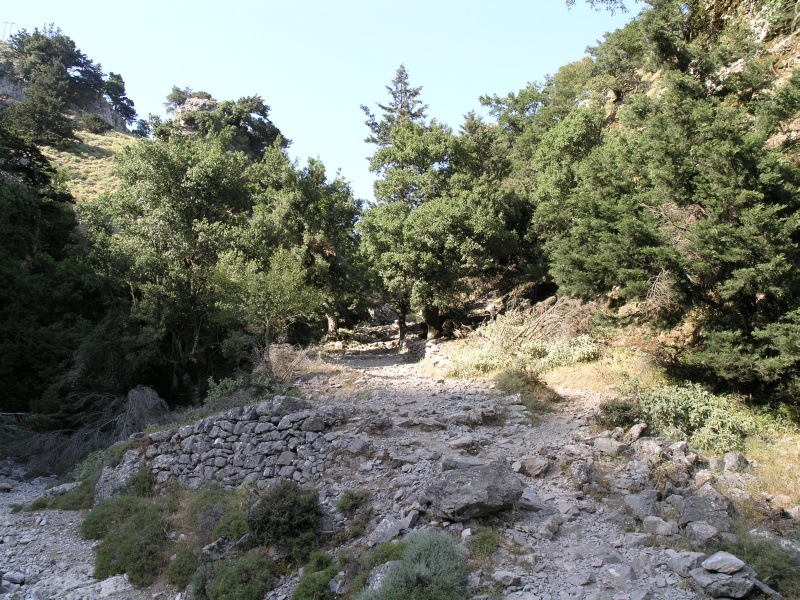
(600, 517)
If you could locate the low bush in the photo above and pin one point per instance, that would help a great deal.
(619, 412)
(284, 513)
(433, 568)
(94, 123)
(249, 577)
(484, 542)
(136, 546)
(142, 483)
(210, 507)
(109, 515)
(379, 555)
(350, 501)
(232, 524)
(182, 568)
(534, 393)
(81, 498)
(708, 421)
(317, 573)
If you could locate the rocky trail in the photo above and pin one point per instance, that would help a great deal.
(594, 515)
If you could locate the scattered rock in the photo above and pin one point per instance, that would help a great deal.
(463, 494)
(683, 563)
(535, 466)
(736, 462)
(723, 562)
(634, 433)
(658, 526)
(581, 472)
(722, 585)
(610, 446)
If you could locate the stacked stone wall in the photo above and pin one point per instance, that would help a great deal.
(282, 438)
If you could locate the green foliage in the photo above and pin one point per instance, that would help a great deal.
(214, 512)
(182, 568)
(114, 88)
(29, 53)
(351, 500)
(48, 296)
(484, 542)
(433, 568)
(620, 412)
(283, 513)
(707, 421)
(775, 565)
(381, 554)
(317, 573)
(91, 465)
(242, 126)
(94, 123)
(174, 213)
(232, 524)
(110, 514)
(142, 483)
(247, 578)
(428, 235)
(133, 539)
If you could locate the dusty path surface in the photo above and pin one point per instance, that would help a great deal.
(571, 543)
(576, 547)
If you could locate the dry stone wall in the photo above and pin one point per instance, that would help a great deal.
(280, 438)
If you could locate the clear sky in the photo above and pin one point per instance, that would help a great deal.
(314, 62)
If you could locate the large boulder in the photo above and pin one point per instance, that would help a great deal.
(462, 494)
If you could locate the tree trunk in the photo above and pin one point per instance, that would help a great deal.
(266, 363)
(402, 309)
(333, 325)
(433, 320)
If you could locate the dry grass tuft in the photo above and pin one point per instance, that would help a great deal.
(778, 469)
(86, 166)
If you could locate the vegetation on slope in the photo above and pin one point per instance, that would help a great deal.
(658, 173)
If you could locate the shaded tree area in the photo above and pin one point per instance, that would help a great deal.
(437, 224)
(47, 296)
(653, 176)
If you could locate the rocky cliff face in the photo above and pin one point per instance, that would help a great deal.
(13, 92)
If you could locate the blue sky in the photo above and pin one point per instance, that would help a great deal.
(316, 61)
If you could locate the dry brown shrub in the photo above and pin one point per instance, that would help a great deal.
(104, 420)
(287, 360)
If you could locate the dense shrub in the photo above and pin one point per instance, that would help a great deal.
(182, 568)
(284, 513)
(94, 123)
(433, 568)
(619, 412)
(247, 578)
(317, 573)
(136, 546)
(351, 500)
(708, 421)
